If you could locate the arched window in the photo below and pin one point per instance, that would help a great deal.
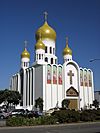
(39, 56)
(46, 59)
(50, 50)
(51, 60)
(55, 61)
(46, 49)
(24, 64)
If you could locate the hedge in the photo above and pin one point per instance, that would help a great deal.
(61, 116)
(21, 121)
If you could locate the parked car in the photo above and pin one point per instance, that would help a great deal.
(17, 112)
(50, 111)
(3, 115)
(25, 113)
(32, 114)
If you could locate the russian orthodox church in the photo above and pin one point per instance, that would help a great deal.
(51, 81)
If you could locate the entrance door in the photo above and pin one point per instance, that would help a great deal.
(73, 104)
(71, 93)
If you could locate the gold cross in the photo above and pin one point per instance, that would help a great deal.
(70, 74)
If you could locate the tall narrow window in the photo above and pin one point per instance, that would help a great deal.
(51, 60)
(55, 61)
(39, 56)
(42, 56)
(50, 50)
(29, 88)
(46, 59)
(45, 49)
(32, 88)
(24, 64)
(53, 50)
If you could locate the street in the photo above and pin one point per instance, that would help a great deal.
(67, 128)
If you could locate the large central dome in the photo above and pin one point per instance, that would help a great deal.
(46, 32)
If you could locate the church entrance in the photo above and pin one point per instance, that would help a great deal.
(72, 96)
(73, 104)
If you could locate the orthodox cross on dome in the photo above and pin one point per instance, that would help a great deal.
(25, 44)
(45, 16)
(67, 41)
(70, 74)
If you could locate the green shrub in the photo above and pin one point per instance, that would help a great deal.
(64, 116)
(21, 121)
(87, 115)
(74, 116)
(61, 116)
(15, 121)
(97, 113)
(48, 120)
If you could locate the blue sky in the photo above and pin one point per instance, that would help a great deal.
(77, 19)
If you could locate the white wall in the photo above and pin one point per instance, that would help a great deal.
(38, 81)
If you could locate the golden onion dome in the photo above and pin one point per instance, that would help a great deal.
(46, 32)
(25, 54)
(67, 50)
(40, 45)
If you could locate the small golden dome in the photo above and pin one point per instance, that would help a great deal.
(25, 54)
(40, 45)
(67, 50)
(46, 32)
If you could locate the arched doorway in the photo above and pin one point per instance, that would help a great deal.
(72, 95)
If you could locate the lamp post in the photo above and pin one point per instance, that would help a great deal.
(94, 59)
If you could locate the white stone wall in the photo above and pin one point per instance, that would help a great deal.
(44, 87)
(24, 89)
(48, 92)
(60, 90)
(86, 92)
(38, 81)
(52, 94)
(71, 66)
(75, 78)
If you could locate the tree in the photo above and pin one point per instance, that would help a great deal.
(65, 103)
(39, 103)
(9, 96)
(95, 103)
(1, 96)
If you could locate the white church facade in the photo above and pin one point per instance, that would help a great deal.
(49, 80)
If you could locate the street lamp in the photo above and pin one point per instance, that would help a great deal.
(94, 59)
